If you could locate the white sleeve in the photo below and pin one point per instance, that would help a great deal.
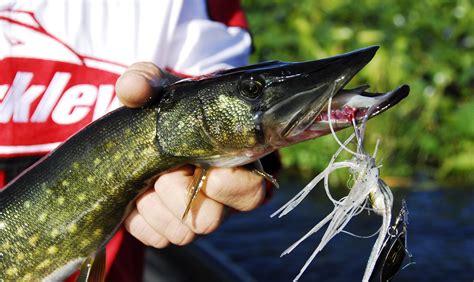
(201, 45)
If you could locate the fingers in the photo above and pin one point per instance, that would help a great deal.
(205, 214)
(162, 220)
(156, 221)
(140, 229)
(140, 82)
(235, 187)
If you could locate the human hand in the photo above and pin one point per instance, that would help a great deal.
(156, 218)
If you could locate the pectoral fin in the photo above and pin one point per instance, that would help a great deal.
(93, 268)
(257, 168)
(199, 179)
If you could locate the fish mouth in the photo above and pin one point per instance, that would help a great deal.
(296, 102)
(358, 104)
(352, 106)
(300, 94)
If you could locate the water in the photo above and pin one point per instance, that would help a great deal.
(440, 237)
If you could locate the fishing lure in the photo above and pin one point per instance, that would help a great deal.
(367, 187)
(394, 249)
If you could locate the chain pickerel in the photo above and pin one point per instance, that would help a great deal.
(64, 209)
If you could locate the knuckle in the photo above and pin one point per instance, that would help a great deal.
(139, 230)
(147, 70)
(143, 65)
(219, 179)
(182, 236)
(254, 198)
(145, 202)
(134, 225)
(158, 242)
(136, 65)
(161, 180)
(166, 180)
(207, 226)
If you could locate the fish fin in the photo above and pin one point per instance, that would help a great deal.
(93, 268)
(257, 168)
(199, 180)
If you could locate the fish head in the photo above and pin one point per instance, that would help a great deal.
(256, 109)
(294, 101)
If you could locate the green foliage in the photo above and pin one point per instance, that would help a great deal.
(426, 44)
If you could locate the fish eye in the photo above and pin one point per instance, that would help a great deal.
(251, 87)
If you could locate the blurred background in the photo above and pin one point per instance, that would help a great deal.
(427, 44)
(427, 141)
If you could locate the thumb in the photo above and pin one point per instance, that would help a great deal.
(140, 83)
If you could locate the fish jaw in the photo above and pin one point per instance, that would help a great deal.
(350, 106)
(301, 113)
(292, 102)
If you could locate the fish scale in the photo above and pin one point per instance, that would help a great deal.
(50, 194)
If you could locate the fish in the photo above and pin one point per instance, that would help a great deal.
(60, 213)
(367, 192)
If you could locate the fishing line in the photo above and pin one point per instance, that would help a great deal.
(334, 133)
(361, 236)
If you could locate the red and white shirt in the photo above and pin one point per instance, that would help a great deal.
(59, 60)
